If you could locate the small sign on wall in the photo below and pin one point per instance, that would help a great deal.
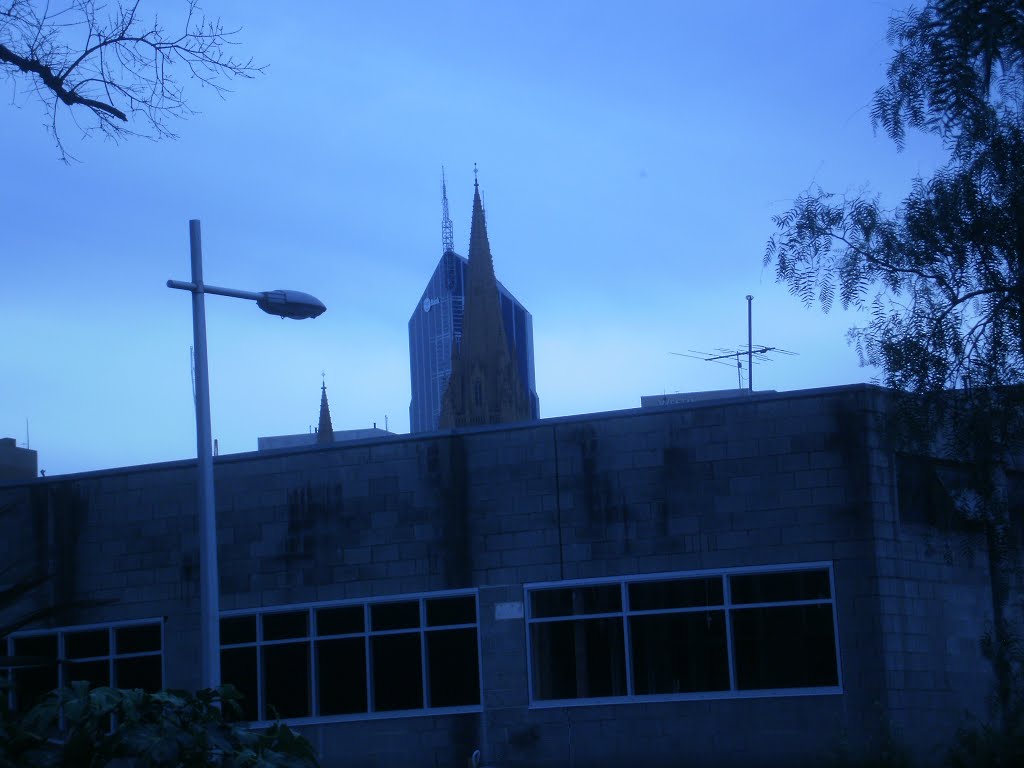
(506, 611)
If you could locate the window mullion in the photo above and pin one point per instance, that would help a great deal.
(111, 651)
(424, 672)
(61, 664)
(11, 699)
(163, 666)
(260, 698)
(314, 687)
(835, 625)
(627, 640)
(371, 704)
(61, 676)
(730, 650)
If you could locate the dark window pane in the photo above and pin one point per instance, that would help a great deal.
(137, 639)
(82, 645)
(284, 626)
(339, 621)
(678, 593)
(238, 667)
(576, 601)
(452, 666)
(404, 615)
(44, 646)
(238, 629)
(341, 675)
(97, 673)
(397, 672)
(451, 610)
(139, 672)
(784, 647)
(578, 659)
(777, 587)
(679, 652)
(286, 680)
(31, 683)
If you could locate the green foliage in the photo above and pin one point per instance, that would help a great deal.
(884, 751)
(980, 745)
(941, 275)
(79, 726)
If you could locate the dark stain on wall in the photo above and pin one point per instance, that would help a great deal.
(606, 510)
(57, 511)
(305, 505)
(39, 503)
(451, 550)
(849, 439)
(587, 441)
(315, 514)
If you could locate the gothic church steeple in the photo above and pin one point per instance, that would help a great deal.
(484, 387)
(324, 431)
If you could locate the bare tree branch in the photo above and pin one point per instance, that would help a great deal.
(117, 70)
(56, 84)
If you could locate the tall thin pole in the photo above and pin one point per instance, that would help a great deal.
(209, 593)
(750, 343)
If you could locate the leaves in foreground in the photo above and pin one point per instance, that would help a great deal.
(87, 727)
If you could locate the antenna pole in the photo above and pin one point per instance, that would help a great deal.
(750, 343)
(447, 237)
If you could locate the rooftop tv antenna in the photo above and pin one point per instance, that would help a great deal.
(754, 354)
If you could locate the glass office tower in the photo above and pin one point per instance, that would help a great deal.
(437, 322)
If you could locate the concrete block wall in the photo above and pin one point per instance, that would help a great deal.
(770, 479)
(934, 604)
(751, 483)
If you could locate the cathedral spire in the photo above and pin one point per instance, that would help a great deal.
(483, 387)
(325, 431)
(481, 264)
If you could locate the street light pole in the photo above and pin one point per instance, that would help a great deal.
(209, 590)
(293, 304)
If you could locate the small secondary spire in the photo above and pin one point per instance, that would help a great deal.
(325, 430)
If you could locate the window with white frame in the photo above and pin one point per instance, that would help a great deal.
(354, 658)
(121, 655)
(708, 633)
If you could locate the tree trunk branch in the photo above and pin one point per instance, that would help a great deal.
(56, 84)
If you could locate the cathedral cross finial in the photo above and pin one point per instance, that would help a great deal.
(475, 182)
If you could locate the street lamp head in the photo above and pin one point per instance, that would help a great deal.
(293, 304)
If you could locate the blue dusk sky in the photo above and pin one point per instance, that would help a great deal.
(631, 157)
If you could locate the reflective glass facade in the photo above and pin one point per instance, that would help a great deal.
(436, 323)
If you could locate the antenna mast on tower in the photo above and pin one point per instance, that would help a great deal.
(447, 237)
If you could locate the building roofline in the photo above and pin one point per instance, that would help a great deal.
(392, 439)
